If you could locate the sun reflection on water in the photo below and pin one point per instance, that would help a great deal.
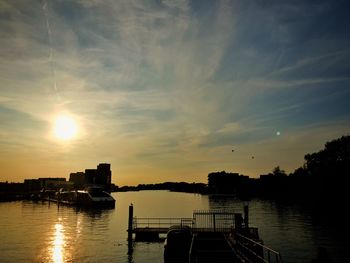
(58, 244)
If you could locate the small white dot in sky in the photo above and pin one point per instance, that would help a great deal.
(278, 133)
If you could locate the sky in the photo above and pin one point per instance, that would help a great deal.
(170, 90)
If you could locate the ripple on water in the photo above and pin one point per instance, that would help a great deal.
(39, 232)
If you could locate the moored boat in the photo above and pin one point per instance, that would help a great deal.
(93, 196)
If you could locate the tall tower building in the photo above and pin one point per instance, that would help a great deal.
(104, 175)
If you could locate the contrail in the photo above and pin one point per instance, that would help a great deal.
(51, 58)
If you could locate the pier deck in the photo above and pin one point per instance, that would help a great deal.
(164, 230)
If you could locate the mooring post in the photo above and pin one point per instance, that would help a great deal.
(246, 216)
(214, 223)
(131, 217)
(58, 199)
(238, 222)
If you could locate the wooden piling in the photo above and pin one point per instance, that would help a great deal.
(246, 216)
(130, 226)
(238, 221)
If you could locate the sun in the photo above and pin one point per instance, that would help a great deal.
(65, 128)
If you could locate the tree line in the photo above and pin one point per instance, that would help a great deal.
(323, 177)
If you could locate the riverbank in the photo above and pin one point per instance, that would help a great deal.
(184, 187)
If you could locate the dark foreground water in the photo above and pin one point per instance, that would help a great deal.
(39, 232)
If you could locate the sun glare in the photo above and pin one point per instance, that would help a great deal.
(58, 249)
(65, 128)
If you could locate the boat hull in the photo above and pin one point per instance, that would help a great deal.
(86, 199)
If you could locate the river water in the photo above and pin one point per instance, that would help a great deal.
(43, 232)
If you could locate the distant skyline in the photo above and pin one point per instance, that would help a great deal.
(170, 90)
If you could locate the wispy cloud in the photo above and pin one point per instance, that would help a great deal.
(161, 84)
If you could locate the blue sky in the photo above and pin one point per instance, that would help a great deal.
(164, 90)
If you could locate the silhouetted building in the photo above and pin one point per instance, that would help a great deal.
(52, 183)
(32, 185)
(47, 183)
(11, 187)
(272, 184)
(104, 174)
(90, 176)
(78, 179)
(226, 183)
(100, 176)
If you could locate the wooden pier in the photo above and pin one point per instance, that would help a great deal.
(216, 234)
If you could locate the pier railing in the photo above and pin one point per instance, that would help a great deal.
(202, 221)
(161, 222)
(213, 220)
(255, 252)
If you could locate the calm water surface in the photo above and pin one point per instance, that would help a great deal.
(39, 232)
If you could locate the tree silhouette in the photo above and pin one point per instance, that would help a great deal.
(278, 171)
(330, 169)
(333, 161)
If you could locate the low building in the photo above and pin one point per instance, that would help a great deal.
(47, 183)
(226, 183)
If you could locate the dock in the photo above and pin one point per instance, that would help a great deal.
(216, 236)
(149, 228)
